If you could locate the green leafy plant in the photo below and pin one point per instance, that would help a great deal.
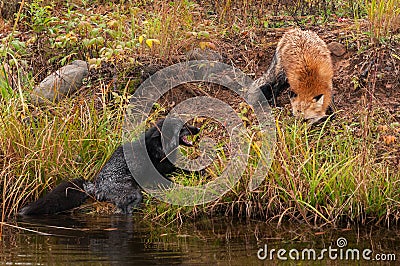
(39, 16)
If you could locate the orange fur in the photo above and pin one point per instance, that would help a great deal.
(307, 63)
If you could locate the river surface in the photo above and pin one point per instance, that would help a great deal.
(133, 240)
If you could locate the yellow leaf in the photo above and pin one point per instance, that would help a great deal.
(141, 37)
(202, 45)
(150, 42)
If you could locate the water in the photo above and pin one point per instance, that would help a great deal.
(127, 240)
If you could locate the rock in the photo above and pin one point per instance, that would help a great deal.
(61, 83)
(203, 54)
(336, 48)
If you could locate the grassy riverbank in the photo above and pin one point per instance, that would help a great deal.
(344, 170)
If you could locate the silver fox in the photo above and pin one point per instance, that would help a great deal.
(115, 182)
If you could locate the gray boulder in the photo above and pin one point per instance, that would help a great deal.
(336, 48)
(61, 83)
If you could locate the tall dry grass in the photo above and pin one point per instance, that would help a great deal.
(384, 17)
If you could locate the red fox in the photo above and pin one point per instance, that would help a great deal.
(302, 62)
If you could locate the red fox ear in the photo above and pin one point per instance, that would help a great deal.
(319, 99)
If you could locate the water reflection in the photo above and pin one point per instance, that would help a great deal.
(125, 240)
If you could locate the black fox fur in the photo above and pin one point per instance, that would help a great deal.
(115, 182)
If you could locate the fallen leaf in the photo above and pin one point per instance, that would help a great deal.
(382, 128)
(389, 139)
(150, 42)
(200, 119)
(141, 38)
(204, 45)
(211, 46)
(191, 33)
(389, 86)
